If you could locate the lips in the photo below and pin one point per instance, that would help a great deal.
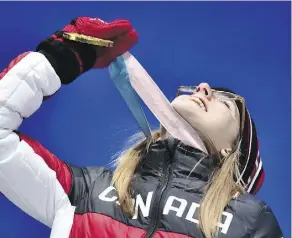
(200, 102)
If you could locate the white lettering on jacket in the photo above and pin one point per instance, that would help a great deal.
(178, 210)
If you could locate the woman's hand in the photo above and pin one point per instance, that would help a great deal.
(71, 59)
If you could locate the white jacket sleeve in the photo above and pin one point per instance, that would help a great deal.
(25, 179)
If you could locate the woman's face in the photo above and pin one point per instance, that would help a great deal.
(217, 118)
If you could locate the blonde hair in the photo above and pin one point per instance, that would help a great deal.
(224, 183)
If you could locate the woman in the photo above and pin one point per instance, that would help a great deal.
(161, 189)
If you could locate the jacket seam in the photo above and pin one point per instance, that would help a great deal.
(71, 174)
(258, 216)
(85, 181)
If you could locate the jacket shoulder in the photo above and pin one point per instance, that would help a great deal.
(256, 215)
(248, 204)
(94, 173)
(84, 177)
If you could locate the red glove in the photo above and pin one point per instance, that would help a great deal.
(71, 59)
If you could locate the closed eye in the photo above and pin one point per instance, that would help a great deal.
(224, 102)
(227, 105)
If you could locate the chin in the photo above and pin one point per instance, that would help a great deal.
(189, 111)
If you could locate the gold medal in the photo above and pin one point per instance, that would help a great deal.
(88, 39)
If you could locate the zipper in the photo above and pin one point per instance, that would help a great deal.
(155, 211)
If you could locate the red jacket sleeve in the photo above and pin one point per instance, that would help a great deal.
(63, 172)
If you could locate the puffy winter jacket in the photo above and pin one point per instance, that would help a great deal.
(81, 202)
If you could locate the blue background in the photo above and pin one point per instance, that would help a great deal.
(241, 45)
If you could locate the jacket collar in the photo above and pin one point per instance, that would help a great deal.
(184, 161)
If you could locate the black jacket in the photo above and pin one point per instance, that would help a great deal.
(168, 194)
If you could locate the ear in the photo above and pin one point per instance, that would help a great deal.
(225, 152)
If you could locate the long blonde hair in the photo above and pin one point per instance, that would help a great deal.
(222, 186)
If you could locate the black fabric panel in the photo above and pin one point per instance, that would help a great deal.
(178, 202)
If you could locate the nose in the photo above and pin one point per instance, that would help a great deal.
(205, 89)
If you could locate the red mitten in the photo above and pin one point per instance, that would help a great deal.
(79, 57)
